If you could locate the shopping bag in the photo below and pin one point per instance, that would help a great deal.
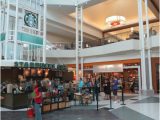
(30, 112)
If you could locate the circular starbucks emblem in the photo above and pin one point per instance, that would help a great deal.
(31, 20)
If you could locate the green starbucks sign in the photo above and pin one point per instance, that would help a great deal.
(31, 19)
(40, 65)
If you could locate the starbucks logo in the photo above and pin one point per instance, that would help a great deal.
(31, 20)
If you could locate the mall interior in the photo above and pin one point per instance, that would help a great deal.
(76, 49)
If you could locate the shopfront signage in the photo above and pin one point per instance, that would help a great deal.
(108, 68)
(34, 65)
(62, 67)
(39, 65)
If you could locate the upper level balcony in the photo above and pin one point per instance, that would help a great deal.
(108, 39)
(118, 43)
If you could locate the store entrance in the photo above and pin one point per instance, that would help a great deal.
(132, 79)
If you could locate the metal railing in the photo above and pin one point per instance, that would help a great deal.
(60, 46)
(108, 39)
(155, 30)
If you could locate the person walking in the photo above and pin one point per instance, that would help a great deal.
(37, 101)
(115, 88)
(107, 90)
(81, 84)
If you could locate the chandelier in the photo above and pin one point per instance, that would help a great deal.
(115, 20)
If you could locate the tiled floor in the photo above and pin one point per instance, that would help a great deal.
(125, 113)
(64, 115)
(149, 100)
(137, 108)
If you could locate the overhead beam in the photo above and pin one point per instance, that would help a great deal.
(153, 8)
(60, 2)
(66, 2)
(128, 26)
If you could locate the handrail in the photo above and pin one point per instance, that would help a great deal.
(100, 42)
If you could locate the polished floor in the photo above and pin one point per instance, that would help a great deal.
(137, 108)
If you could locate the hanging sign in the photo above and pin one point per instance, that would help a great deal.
(31, 19)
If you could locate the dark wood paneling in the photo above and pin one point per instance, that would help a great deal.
(128, 26)
(67, 76)
(155, 62)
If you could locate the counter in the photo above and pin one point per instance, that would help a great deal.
(14, 101)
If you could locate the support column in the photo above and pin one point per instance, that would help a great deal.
(7, 32)
(142, 44)
(82, 66)
(77, 39)
(145, 90)
(15, 32)
(82, 39)
(139, 79)
(148, 47)
(81, 27)
(44, 31)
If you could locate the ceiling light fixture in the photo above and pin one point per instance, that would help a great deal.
(115, 20)
(25, 45)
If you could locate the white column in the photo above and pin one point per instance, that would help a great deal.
(81, 27)
(1, 29)
(139, 79)
(142, 43)
(39, 24)
(7, 34)
(1, 18)
(36, 4)
(82, 66)
(22, 54)
(82, 39)
(15, 33)
(44, 31)
(31, 52)
(77, 39)
(148, 46)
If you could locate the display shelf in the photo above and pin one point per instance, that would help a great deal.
(55, 103)
(62, 105)
(54, 106)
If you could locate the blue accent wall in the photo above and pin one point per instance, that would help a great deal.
(29, 38)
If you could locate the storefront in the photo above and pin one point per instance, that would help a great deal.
(18, 82)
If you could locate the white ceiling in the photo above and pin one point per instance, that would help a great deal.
(63, 31)
(60, 31)
(66, 9)
(95, 15)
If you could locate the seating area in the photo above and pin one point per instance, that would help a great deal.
(83, 98)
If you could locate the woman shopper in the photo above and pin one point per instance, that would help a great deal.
(37, 101)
